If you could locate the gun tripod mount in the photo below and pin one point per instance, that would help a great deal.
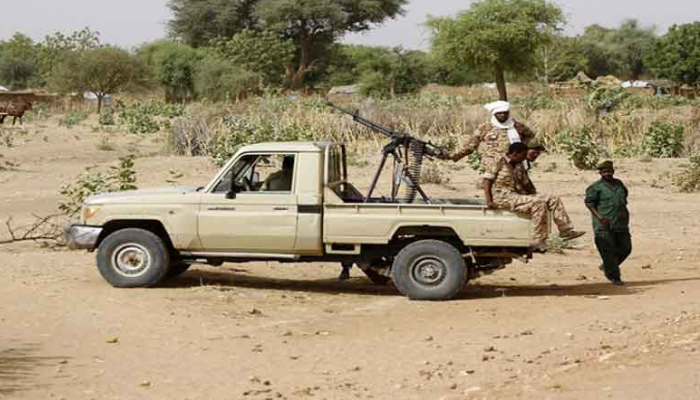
(407, 153)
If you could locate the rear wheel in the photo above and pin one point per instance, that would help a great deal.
(133, 258)
(429, 270)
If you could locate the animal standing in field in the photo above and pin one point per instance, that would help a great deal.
(15, 112)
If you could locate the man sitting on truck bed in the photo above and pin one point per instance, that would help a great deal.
(503, 192)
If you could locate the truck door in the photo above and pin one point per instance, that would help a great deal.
(262, 217)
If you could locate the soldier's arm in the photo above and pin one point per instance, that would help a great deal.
(490, 177)
(526, 134)
(472, 144)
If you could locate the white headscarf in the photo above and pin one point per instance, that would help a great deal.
(499, 107)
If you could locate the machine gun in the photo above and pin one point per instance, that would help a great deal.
(407, 152)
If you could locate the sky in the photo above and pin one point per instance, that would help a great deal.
(128, 23)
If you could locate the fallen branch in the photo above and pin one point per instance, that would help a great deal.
(44, 228)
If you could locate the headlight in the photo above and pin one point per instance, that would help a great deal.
(89, 212)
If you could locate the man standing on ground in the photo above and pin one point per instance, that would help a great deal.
(493, 138)
(503, 192)
(607, 201)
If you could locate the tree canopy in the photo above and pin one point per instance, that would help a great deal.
(617, 51)
(310, 24)
(501, 35)
(676, 55)
(102, 71)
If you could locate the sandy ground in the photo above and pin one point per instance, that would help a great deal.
(551, 329)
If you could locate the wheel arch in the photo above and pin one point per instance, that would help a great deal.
(152, 225)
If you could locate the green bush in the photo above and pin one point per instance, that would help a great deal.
(74, 117)
(607, 98)
(688, 180)
(580, 146)
(107, 116)
(664, 140)
(536, 101)
(118, 178)
(139, 117)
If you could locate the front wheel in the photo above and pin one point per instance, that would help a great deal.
(133, 258)
(429, 270)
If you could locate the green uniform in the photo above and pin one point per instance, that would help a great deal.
(614, 243)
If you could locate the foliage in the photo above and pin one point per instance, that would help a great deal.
(219, 79)
(72, 118)
(139, 117)
(263, 53)
(676, 55)
(664, 140)
(18, 58)
(617, 51)
(173, 66)
(559, 60)
(496, 34)
(607, 98)
(688, 180)
(102, 71)
(118, 178)
(107, 116)
(56, 47)
(393, 72)
(581, 148)
(197, 22)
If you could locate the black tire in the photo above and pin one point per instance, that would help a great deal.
(429, 270)
(376, 277)
(118, 252)
(177, 268)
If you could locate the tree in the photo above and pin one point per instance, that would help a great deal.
(18, 62)
(559, 60)
(618, 51)
(173, 65)
(56, 46)
(394, 71)
(676, 55)
(197, 22)
(266, 53)
(102, 71)
(502, 35)
(313, 24)
(219, 79)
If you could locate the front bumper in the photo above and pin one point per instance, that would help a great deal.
(82, 237)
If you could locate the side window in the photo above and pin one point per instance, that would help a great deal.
(258, 173)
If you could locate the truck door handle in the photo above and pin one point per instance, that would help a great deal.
(280, 208)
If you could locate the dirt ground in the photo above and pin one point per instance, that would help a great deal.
(550, 329)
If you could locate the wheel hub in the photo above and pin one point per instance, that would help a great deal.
(429, 271)
(131, 259)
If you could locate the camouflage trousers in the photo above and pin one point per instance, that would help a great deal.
(540, 207)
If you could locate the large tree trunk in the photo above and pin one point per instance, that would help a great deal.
(501, 83)
(99, 102)
(304, 61)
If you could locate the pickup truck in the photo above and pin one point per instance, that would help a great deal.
(293, 202)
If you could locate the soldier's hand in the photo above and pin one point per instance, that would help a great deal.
(605, 222)
(491, 205)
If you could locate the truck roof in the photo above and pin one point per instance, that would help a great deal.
(314, 147)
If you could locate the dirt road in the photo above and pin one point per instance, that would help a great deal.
(551, 329)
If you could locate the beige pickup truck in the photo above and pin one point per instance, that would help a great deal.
(293, 202)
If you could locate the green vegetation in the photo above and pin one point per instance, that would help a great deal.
(688, 180)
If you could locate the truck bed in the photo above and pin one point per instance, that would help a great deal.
(377, 223)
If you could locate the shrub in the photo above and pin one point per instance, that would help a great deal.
(580, 146)
(121, 177)
(107, 116)
(606, 98)
(139, 117)
(74, 117)
(688, 180)
(664, 140)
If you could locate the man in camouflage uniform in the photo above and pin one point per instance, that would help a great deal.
(492, 139)
(504, 191)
